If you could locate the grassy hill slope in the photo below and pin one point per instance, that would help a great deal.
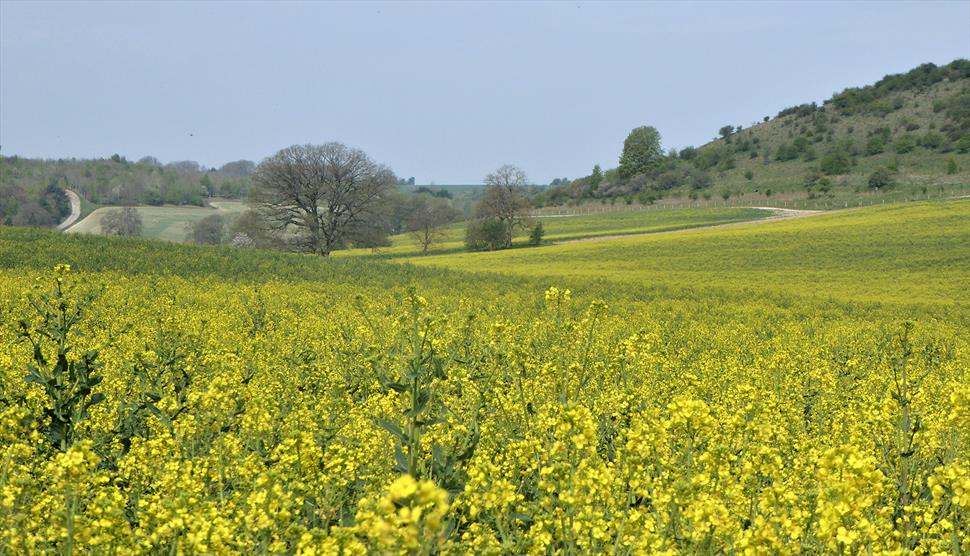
(912, 130)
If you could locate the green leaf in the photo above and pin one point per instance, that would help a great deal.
(391, 428)
(402, 464)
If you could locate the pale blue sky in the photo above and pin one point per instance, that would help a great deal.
(440, 91)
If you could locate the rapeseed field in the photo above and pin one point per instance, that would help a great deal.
(705, 392)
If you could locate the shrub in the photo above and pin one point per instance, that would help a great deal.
(209, 230)
(951, 167)
(122, 222)
(882, 178)
(963, 145)
(535, 236)
(931, 140)
(485, 234)
(835, 162)
(905, 144)
(787, 152)
(875, 145)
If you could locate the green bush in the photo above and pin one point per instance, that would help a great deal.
(875, 145)
(882, 178)
(835, 162)
(904, 144)
(537, 233)
(485, 234)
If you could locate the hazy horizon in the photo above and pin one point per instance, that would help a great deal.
(444, 92)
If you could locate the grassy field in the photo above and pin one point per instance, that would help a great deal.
(909, 253)
(585, 226)
(800, 383)
(164, 222)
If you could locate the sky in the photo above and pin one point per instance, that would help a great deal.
(445, 92)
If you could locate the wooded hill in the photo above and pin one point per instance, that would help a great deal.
(31, 190)
(906, 130)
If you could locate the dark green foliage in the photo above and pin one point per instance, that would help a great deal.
(801, 110)
(931, 140)
(688, 153)
(881, 179)
(816, 183)
(445, 194)
(958, 115)
(486, 234)
(68, 383)
(874, 98)
(537, 233)
(712, 156)
(835, 162)
(209, 231)
(726, 163)
(32, 206)
(904, 144)
(963, 144)
(875, 145)
(951, 166)
(787, 152)
(641, 151)
(595, 178)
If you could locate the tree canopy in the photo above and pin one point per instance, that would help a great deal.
(321, 193)
(641, 151)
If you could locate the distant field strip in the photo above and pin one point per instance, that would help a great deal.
(164, 222)
(565, 228)
(911, 253)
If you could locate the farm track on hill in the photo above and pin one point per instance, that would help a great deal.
(75, 211)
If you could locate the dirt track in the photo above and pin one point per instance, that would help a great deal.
(75, 210)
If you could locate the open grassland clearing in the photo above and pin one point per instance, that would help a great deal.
(698, 392)
(168, 222)
(565, 228)
(915, 253)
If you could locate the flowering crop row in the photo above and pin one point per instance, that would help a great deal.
(205, 415)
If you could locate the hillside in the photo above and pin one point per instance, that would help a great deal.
(26, 185)
(909, 131)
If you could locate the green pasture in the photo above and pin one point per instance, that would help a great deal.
(565, 228)
(916, 253)
(165, 222)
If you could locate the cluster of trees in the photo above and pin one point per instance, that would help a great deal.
(118, 181)
(645, 172)
(125, 221)
(870, 99)
(320, 198)
(502, 210)
(44, 207)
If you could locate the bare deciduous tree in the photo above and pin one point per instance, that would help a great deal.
(503, 200)
(122, 222)
(427, 221)
(322, 192)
